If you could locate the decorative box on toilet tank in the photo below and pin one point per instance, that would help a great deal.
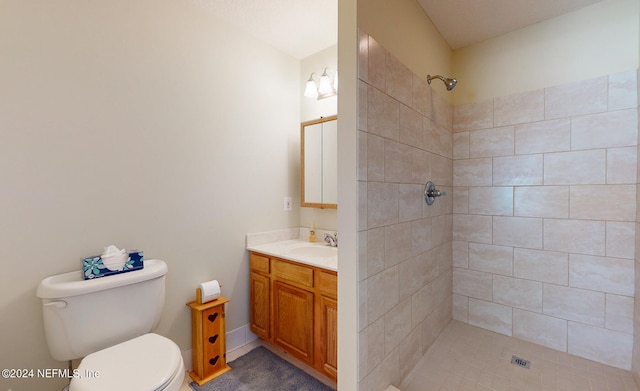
(208, 340)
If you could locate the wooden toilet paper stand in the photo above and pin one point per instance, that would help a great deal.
(208, 339)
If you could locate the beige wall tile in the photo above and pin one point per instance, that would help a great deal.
(540, 265)
(382, 204)
(375, 347)
(397, 325)
(519, 108)
(442, 111)
(461, 145)
(472, 228)
(611, 275)
(442, 229)
(362, 105)
(491, 201)
(541, 329)
(375, 250)
(575, 168)
(544, 136)
(605, 130)
(376, 306)
(598, 344)
(541, 201)
(410, 201)
(575, 236)
(461, 308)
(425, 301)
(399, 80)
(619, 313)
(398, 159)
(383, 114)
(377, 70)
(620, 239)
(618, 202)
(422, 166)
(363, 161)
(422, 237)
(437, 139)
(460, 254)
(460, 200)
(472, 172)
(363, 56)
(577, 98)
(491, 142)
(362, 206)
(412, 273)
(490, 258)
(573, 304)
(421, 95)
(397, 243)
(375, 158)
(623, 93)
(441, 171)
(491, 316)
(472, 283)
(410, 127)
(517, 170)
(518, 232)
(519, 293)
(622, 165)
(473, 116)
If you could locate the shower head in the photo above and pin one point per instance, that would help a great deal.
(450, 83)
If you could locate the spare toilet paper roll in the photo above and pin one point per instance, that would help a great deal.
(210, 290)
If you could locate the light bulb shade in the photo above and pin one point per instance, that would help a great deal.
(325, 84)
(311, 89)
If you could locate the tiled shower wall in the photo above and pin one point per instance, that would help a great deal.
(404, 246)
(544, 216)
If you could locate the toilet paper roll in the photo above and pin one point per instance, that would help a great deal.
(210, 290)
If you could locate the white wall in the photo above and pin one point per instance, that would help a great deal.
(136, 124)
(310, 109)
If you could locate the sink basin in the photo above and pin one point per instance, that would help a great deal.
(313, 251)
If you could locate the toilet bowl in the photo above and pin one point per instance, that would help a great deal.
(147, 363)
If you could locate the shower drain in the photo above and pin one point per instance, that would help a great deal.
(521, 362)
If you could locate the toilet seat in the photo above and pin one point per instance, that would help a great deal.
(147, 363)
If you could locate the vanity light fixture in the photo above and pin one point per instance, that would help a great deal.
(326, 87)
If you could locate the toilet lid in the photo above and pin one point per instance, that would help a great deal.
(145, 363)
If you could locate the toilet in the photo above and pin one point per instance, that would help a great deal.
(108, 322)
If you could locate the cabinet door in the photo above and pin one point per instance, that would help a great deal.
(328, 336)
(260, 305)
(293, 321)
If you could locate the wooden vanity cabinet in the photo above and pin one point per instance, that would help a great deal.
(294, 306)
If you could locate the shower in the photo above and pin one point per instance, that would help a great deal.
(450, 83)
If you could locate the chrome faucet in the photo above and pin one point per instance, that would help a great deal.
(331, 239)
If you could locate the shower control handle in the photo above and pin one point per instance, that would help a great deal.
(430, 193)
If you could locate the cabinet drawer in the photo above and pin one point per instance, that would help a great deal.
(327, 283)
(296, 274)
(259, 263)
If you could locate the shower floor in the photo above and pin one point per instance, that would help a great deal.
(466, 357)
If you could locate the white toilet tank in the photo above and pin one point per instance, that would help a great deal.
(84, 316)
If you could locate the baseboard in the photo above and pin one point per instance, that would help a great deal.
(235, 339)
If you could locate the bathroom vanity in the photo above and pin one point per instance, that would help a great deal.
(294, 301)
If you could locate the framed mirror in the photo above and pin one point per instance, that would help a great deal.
(319, 163)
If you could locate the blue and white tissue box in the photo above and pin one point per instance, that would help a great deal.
(94, 267)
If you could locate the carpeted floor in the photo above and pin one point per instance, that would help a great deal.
(261, 370)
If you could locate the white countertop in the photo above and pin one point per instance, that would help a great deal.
(317, 254)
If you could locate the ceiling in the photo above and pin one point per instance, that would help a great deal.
(304, 27)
